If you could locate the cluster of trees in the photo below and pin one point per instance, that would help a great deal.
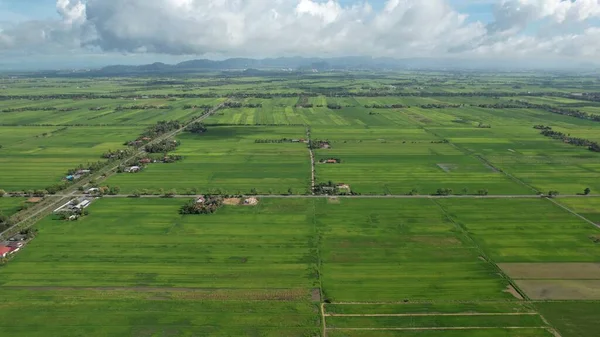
(163, 146)
(439, 106)
(210, 205)
(330, 188)
(484, 126)
(334, 106)
(196, 127)
(5, 222)
(118, 154)
(319, 144)
(386, 106)
(548, 132)
(142, 107)
(34, 108)
(161, 127)
(560, 110)
(276, 141)
(203, 106)
(98, 108)
(240, 105)
(443, 141)
(303, 102)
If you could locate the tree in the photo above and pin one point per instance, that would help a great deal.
(253, 191)
(136, 194)
(465, 191)
(414, 191)
(587, 191)
(290, 191)
(483, 192)
(2, 192)
(552, 194)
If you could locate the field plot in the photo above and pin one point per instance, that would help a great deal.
(101, 111)
(36, 162)
(572, 319)
(434, 319)
(540, 162)
(285, 111)
(550, 253)
(391, 161)
(229, 160)
(587, 207)
(386, 250)
(9, 206)
(242, 271)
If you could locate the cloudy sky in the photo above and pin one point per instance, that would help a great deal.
(94, 32)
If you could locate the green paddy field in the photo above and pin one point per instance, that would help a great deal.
(491, 256)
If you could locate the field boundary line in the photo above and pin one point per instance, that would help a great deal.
(312, 161)
(438, 314)
(551, 328)
(482, 252)
(448, 328)
(574, 213)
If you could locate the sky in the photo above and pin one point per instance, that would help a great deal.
(79, 33)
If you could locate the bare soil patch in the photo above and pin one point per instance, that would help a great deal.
(333, 200)
(250, 202)
(315, 295)
(561, 289)
(511, 290)
(34, 200)
(232, 201)
(561, 271)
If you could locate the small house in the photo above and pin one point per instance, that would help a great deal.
(331, 161)
(343, 186)
(70, 178)
(200, 200)
(81, 172)
(145, 161)
(92, 190)
(133, 169)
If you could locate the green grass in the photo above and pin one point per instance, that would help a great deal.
(430, 308)
(496, 332)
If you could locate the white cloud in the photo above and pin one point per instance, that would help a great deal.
(257, 28)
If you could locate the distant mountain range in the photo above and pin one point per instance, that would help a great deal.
(256, 66)
(293, 65)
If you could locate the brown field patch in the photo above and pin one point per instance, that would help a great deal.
(333, 200)
(560, 271)
(34, 200)
(315, 295)
(232, 201)
(561, 289)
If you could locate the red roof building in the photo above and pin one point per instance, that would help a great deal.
(4, 251)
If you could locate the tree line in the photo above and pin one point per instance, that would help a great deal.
(548, 132)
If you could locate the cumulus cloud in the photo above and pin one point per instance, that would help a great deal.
(399, 28)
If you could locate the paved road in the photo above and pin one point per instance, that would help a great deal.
(34, 212)
(389, 196)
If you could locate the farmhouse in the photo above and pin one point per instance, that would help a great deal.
(200, 200)
(145, 161)
(343, 186)
(92, 190)
(4, 251)
(325, 145)
(74, 206)
(133, 169)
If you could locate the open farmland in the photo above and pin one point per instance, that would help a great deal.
(229, 160)
(440, 231)
(249, 265)
(43, 159)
